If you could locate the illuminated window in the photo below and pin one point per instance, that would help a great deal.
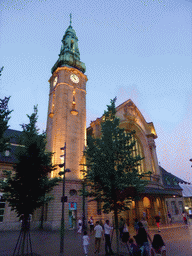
(146, 202)
(137, 150)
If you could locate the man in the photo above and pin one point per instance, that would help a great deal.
(107, 229)
(98, 235)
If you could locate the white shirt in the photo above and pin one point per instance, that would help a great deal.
(85, 240)
(98, 231)
(107, 229)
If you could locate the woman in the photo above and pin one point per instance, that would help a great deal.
(142, 237)
(125, 236)
(158, 246)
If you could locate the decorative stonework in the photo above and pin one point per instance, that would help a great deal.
(130, 112)
(151, 143)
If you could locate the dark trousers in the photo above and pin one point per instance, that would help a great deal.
(107, 243)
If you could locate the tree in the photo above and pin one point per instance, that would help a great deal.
(112, 174)
(1, 69)
(4, 118)
(26, 189)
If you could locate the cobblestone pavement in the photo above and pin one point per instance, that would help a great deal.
(178, 239)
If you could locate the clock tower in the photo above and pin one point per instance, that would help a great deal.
(66, 123)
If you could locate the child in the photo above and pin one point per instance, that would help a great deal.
(85, 242)
(133, 248)
(157, 219)
(158, 246)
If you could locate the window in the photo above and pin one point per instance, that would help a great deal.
(73, 192)
(180, 207)
(2, 208)
(137, 150)
(174, 208)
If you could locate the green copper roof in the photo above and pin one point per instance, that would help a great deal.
(69, 53)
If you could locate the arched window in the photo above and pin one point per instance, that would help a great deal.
(137, 150)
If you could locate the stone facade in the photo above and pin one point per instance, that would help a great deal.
(152, 201)
(66, 123)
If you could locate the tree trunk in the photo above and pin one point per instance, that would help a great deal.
(24, 240)
(25, 227)
(116, 227)
(42, 216)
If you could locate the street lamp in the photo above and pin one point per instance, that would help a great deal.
(63, 198)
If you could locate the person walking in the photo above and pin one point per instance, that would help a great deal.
(85, 242)
(98, 235)
(157, 219)
(143, 237)
(134, 249)
(121, 225)
(79, 226)
(107, 231)
(91, 224)
(158, 246)
(136, 225)
(184, 214)
(169, 217)
(125, 237)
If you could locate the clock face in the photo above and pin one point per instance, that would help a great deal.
(74, 78)
(55, 81)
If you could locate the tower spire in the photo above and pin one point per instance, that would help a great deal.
(70, 19)
(69, 53)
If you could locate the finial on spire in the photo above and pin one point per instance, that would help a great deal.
(70, 19)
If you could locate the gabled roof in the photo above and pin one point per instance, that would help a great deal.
(187, 190)
(171, 181)
(14, 141)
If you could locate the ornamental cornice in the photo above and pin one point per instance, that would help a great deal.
(70, 69)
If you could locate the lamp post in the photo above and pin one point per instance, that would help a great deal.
(63, 198)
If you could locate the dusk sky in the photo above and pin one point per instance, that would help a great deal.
(137, 49)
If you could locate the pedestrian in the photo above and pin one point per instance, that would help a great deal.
(107, 231)
(79, 226)
(169, 217)
(158, 246)
(136, 225)
(121, 225)
(98, 235)
(91, 224)
(143, 237)
(140, 245)
(134, 248)
(85, 242)
(157, 219)
(145, 224)
(184, 214)
(125, 236)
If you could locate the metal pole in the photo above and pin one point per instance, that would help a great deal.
(62, 200)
